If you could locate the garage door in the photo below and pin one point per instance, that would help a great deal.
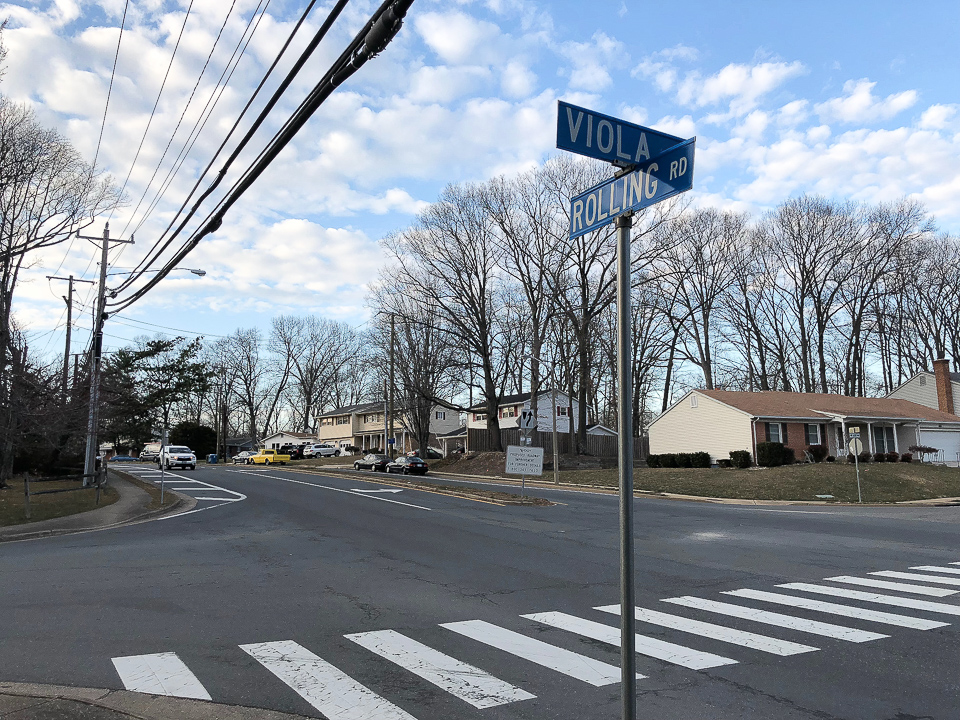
(946, 440)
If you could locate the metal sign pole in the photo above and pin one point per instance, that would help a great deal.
(856, 463)
(163, 446)
(628, 621)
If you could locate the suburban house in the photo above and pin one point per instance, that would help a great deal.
(363, 426)
(718, 421)
(286, 437)
(548, 402)
(450, 441)
(236, 445)
(938, 389)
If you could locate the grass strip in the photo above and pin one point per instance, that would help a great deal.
(54, 505)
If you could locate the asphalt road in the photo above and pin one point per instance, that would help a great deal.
(321, 596)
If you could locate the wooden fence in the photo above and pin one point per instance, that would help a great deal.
(605, 446)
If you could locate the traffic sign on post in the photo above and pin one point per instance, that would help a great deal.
(668, 174)
(528, 421)
(599, 136)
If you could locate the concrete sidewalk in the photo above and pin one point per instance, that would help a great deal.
(133, 506)
(23, 701)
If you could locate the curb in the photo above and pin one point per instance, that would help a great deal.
(140, 706)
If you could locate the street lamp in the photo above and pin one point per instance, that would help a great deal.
(195, 271)
(553, 411)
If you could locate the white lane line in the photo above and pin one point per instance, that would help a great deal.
(888, 585)
(836, 609)
(917, 577)
(225, 500)
(159, 674)
(651, 647)
(348, 492)
(875, 598)
(569, 663)
(937, 569)
(771, 618)
(334, 693)
(716, 632)
(469, 683)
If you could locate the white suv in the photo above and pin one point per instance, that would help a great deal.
(177, 456)
(322, 450)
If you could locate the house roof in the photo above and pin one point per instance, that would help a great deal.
(305, 436)
(806, 405)
(239, 441)
(350, 409)
(518, 398)
(459, 432)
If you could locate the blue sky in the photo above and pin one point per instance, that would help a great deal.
(852, 100)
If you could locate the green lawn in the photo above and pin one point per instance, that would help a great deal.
(881, 482)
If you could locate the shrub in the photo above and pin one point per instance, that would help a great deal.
(879, 457)
(724, 463)
(831, 458)
(684, 460)
(851, 458)
(740, 459)
(789, 456)
(906, 457)
(700, 459)
(668, 460)
(865, 456)
(819, 452)
(922, 450)
(893, 457)
(351, 448)
(770, 454)
(653, 461)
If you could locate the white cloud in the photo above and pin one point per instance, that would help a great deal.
(741, 86)
(455, 36)
(938, 117)
(591, 61)
(518, 80)
(860, 105)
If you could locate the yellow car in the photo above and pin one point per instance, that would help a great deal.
(268, 457)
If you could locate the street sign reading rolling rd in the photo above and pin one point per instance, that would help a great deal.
(669, 173)
(599, 136)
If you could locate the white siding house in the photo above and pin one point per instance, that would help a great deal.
(511, 405)
(699, 423)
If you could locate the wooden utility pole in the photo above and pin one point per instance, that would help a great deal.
(68, 299)
(393, 335)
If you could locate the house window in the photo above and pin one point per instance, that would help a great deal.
(275, 445)
(774, 433)
(441, 414)
(923, 381)
(813, 434)
(479, 416)
(343, 420)
(693, 401)
(562, 410)
(882, 439)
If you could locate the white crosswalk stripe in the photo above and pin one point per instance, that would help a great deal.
(159, 674)
(889, 585)
(651, 647)
(918, 577)
(469, 683)
(937, 569)
(564, 661)
(875, 598)
(815, 627)
(716, 632)
(837, 609)
(329, 690)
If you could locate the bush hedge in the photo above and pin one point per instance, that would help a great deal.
(770, 454)
(893, 457)
(818, 452)
(683, 460)
(879, 457)
(741, 459)
(906, 457)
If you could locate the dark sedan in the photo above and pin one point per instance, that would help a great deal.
(372, 462)
(408, 465)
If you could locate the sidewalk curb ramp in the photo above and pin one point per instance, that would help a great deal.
(25, 701)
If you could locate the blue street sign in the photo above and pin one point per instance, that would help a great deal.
(668, 174)
(606, 138)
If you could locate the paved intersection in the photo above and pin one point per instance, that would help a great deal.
(313, 595)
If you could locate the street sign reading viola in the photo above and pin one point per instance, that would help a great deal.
(590, 133)
(666, 175)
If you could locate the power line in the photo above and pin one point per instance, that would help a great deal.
(106, 106)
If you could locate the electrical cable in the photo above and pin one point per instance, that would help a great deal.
(298, 65)
(113, 73)
(183, 114)
(154, 111)
(369, 42)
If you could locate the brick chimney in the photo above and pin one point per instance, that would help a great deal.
(941, 370)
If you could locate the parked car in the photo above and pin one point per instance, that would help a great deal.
(243, 457)
(294, 451)
(372, 462)
(177, 456)
(431, 454)
(122, 458)
(268, 457)
(408, 465)
(324, 450)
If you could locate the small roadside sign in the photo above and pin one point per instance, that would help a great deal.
(524, 460)
(528, 421)
(599, 136)
(668, 174)
(856, 446)
(854, 430)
